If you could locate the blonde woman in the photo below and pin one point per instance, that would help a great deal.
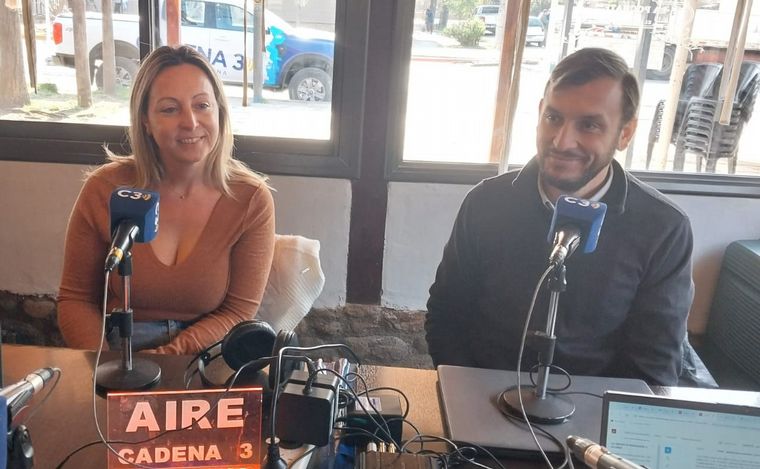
(207, 269)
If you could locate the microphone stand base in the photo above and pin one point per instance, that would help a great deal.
(20, 450)
(552, 409)
(111, 376)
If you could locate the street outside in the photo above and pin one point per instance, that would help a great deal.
(277, 116)
(452, 102)
(450, 109)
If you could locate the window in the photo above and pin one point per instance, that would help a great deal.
(291, 117)
(450, 101)
(451, 89)
(696, 147)
(193, 13)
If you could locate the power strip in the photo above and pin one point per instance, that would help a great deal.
(289, 455)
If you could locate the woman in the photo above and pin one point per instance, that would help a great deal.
(207, 268)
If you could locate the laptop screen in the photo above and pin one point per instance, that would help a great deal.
(666, 433)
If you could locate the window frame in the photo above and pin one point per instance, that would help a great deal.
(79, 143)
(398, 170)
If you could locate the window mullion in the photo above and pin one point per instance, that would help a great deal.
(515, 18)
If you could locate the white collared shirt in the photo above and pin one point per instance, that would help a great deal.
(594, 198)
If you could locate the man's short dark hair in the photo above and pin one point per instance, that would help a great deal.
(588, 64)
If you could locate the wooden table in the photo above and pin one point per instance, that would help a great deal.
(65, 422)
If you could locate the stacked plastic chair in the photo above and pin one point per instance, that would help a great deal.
(695, 128)
(699, 81)
(701, 134)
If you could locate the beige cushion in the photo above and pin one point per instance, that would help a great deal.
(295, 282)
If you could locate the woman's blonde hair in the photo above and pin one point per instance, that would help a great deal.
(220, 167)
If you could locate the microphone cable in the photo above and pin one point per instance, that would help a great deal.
(568, 459)
(535, 368)
(353, 395)
(95, 379)
(382, 424)
(457, 455)
(388, 388)
(379, 421)
(310, 380)
(186, 380)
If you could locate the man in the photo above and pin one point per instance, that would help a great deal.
(429, 19)
(624, 311)
(120, 6)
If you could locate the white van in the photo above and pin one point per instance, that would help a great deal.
(298, 59)
(488, 14)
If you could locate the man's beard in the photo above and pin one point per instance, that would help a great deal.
(571, 186)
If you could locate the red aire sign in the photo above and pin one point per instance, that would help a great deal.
(186, 429)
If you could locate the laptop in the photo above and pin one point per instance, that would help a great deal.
(666, 433)
(469, 405)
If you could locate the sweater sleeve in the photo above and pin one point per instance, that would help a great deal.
(656, 325)
(452, 295)
(81, 289)
(250, 262)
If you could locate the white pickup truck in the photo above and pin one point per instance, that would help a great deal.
(298, 59)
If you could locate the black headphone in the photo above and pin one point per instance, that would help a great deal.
(249, 341)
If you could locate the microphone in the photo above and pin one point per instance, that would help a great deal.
(17, 395)
(134, 218)
(576, 222)
(597, 456)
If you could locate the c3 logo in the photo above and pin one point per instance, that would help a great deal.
(579, 202)
(134, 195)
(582, 202)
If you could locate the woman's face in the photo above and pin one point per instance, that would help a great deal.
(182, 115)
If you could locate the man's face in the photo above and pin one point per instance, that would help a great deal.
(579, 129)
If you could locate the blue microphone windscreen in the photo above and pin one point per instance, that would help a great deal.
(138, 206)
(586, 215)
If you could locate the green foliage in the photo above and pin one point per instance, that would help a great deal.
(537, 6)
(47, 88)
(467, 33)
(461, 9)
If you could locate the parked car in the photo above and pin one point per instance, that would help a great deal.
(298, 59)
(535, 34)
(488, 14)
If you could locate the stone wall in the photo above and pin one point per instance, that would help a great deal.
(29, 319)
(379, 336)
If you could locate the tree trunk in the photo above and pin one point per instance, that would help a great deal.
(81, 54)
(245, 53)
(258, 46)
(13, 90)
(108, 69)
(30, 43)
(173, 13)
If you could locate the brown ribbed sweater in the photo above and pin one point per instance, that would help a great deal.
(220, 284)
